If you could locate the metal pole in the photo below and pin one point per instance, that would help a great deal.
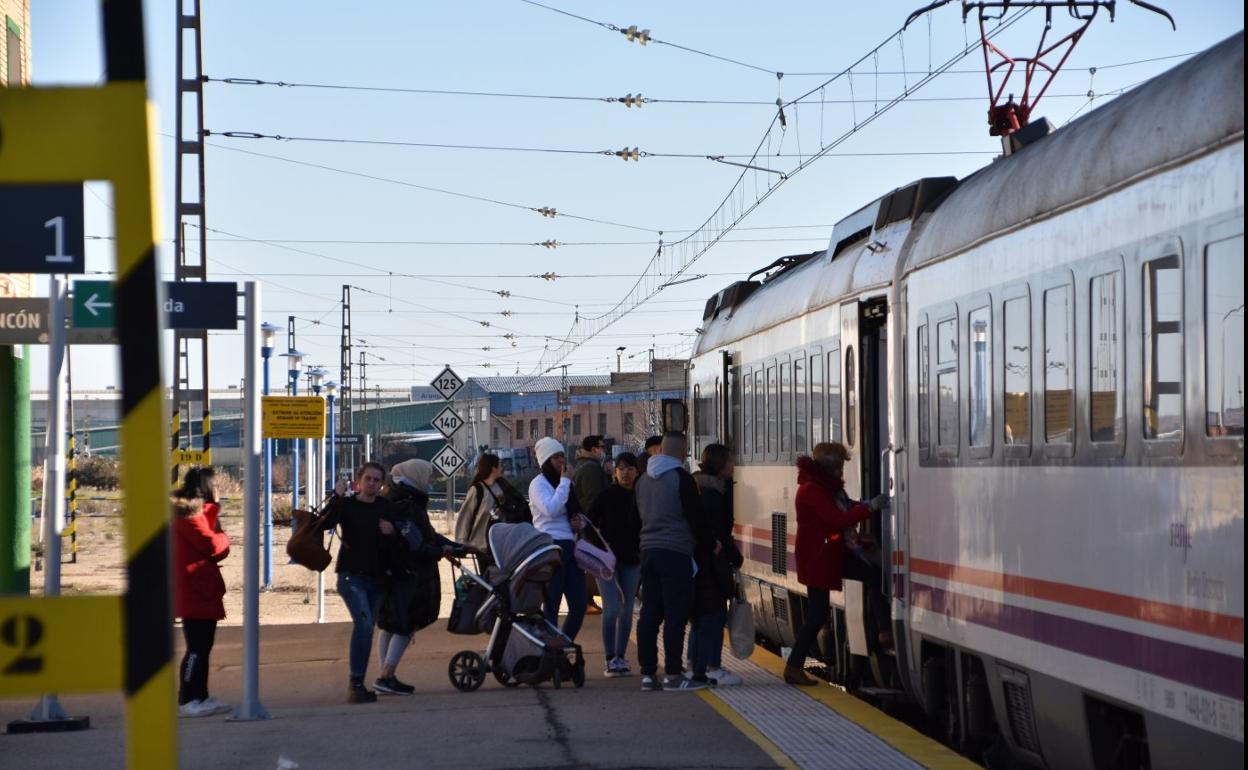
(333, 450)
(49, 708)
(249, 707)
(267, 352)
(294, 456)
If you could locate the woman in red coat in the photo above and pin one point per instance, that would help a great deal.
(198, 545)
(824, 511)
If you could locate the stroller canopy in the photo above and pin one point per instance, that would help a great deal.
(511, 544)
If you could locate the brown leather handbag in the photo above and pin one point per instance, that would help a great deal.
(306, 546)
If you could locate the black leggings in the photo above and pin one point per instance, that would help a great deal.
(818, 610)
(193, 673)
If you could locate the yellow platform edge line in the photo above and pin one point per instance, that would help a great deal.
(915, 745)
(748, 730)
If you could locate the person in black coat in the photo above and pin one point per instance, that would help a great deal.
(614, 513)
(715, 584)
(413, 586)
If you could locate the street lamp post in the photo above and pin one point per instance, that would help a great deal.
(331, 388)
(618, 352)
(313, 472)
(294, 361)
(267, 332)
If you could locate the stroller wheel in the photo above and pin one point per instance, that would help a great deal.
(578, 674)
(467, 670)
(504, 678)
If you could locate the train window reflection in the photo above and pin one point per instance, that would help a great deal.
(834, 394)
(747, 414)
(979, 332)
(851, 399)
(1059, 417)
(1224, 337)
(786, 409)
(760, 414)
(816, 400)
(799, 403)
(1017, 321)
(1163, 349)
(1106, 358)
(925, 439)
(773, 409)
(947, 383)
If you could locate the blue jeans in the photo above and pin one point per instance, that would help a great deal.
(569, 581)
(706, 640)
(363, 598)
(617, 595)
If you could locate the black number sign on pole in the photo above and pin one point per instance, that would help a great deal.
(41, 229)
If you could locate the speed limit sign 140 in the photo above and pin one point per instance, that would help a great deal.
(448, 461)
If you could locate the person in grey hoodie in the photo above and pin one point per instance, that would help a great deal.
(671, 527)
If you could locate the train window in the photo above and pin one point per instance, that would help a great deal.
(925, 438)
(1017, 322)
(747, 414)
(947, 383)
(1105, 360)
(786, 409)
(1059, 417)
(1163, 349)
(851, 398)
(979, 372)
(1224, 337)
(816, 400)
(760, 414)
(799, 404)
(834, 394)
(773, 410)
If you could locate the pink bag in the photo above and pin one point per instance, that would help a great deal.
(593, 560)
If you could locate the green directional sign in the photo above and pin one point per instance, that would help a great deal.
(93, 305)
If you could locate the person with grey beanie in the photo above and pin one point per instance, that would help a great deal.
(554, 506)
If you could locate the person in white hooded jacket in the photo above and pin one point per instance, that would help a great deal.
(550, 494)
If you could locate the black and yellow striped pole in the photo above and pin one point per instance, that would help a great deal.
(71, 491)
(68, 135)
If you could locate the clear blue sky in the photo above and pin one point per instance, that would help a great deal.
(507, 46)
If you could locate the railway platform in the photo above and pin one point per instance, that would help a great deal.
(610, 723)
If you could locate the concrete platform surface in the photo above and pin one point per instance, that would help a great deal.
(609, 723)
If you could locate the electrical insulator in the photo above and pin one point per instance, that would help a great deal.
(509, 336)
(505, 313)
(550, 276)
(503, 293)
(627, 154)
(546, 211)
(635, 35)
(550, 244)
(484, 323)
(632, 101)
(486, 348)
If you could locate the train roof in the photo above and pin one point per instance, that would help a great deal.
(1187, 110)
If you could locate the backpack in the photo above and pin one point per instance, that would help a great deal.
(512, 509)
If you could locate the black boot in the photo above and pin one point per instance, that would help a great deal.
(358, 693)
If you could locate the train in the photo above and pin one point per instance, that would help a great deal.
(1042, 365)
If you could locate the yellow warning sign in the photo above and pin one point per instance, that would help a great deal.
(292, 417)
(192, 457)
(42, 646)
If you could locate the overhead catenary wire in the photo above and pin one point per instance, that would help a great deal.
(565, 150)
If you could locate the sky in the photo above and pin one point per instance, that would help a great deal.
(436, 242)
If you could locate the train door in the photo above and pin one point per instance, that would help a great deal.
(864, 377)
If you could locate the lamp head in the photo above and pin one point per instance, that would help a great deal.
(331, 388)
(294, 361)
(267, 332)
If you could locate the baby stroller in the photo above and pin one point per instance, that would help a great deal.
(507, 602)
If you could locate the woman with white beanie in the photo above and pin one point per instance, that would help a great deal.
(549, 495)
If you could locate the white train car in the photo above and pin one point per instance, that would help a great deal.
(1043, 364)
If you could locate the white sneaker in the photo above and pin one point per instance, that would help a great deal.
(613, 668)
(196, 708)
(722, 677)
(217, 706)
